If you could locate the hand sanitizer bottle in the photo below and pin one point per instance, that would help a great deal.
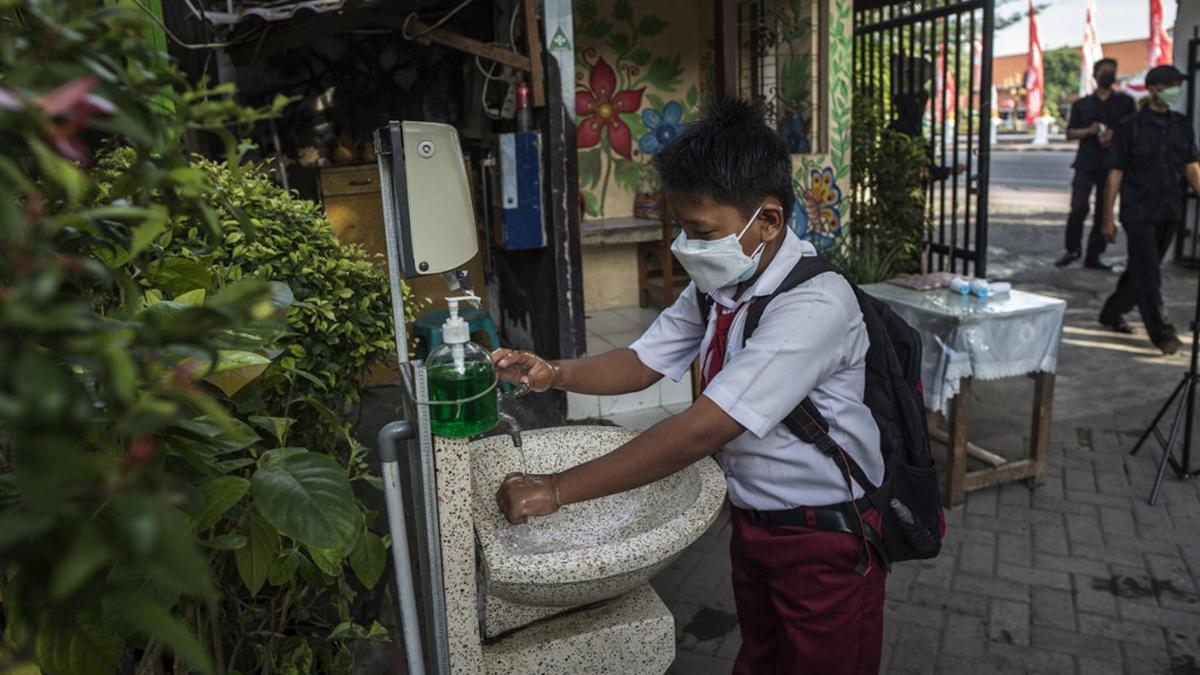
(462, 380)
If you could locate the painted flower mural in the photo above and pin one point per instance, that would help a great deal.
(662, 127)
(599, 107)
(823, 201)
(817, 217)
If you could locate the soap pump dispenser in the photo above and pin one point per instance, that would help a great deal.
(462, 379)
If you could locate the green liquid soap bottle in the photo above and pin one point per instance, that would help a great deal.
(460, 370)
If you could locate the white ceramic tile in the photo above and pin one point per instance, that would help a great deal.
(624, 339)
(674, 393)
(597, 345)
(641, 316)
(608, 322)
(639, 400)
(582, 406)
(640, 419)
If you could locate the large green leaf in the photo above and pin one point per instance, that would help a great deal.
(220, 495)
(308, 497)
(87, 555)
(155, 621)
(368, 559)
(222, 437)
(255, 558)
(179, 275)
(84, 646)
(276, 426)
(284, 567)
(235, 370)
(327, 560)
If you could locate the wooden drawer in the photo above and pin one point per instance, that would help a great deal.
(351, 179)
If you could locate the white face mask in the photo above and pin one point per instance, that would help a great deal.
(720, 263)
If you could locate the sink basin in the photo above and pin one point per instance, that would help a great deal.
(590, 551)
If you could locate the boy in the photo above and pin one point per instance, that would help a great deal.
(809, 600)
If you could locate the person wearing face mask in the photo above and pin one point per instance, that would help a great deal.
(805, 600)
(1153, 156)
(1092, 122)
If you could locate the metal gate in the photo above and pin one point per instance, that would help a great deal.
(1187, 245)
(926, 67)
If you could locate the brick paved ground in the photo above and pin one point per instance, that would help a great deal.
(1080, 576)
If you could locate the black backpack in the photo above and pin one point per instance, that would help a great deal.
(908, 499)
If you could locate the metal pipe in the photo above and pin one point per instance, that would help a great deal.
(389, 437)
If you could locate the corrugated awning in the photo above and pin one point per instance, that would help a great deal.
(273, 11)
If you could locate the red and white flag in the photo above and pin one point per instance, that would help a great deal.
(1034, 76)
(1160, 41)
(1090, 52)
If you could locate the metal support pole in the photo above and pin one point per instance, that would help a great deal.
(389, 437)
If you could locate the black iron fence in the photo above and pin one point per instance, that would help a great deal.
(926, 68)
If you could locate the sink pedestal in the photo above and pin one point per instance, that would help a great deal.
(632, 634)
(579, 610)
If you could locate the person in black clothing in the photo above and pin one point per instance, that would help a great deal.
(1153, 154)
(1093, 122)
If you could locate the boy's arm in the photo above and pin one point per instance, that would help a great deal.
(619, 371)
(656, 453)
(667, 348)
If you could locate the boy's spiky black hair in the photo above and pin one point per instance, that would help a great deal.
(731, 155)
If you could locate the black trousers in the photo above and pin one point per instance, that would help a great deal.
(1081, 191)
(1141, 284)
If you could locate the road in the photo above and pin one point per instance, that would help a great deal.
(1048, 170)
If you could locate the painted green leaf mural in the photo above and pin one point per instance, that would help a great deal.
(651, 25)
(623, 10)
(665, 73)
(597, 29)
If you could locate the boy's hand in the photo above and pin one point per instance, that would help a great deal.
(523, 495)
(525, 369)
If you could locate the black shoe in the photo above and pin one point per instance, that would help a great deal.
(1170, 345)
(1067, 258)
(1118, 325)
(1097, 265)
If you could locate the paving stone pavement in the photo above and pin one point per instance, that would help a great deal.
(1080, 576)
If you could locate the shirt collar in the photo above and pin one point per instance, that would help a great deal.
(793, 249)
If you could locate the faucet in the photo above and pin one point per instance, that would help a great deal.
(514, 428)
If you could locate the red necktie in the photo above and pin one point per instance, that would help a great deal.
(716, 347)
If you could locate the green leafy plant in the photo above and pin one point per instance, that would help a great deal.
(890, 174)
(166, 340)
(340, 322)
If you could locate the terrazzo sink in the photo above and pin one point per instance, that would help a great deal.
(591, 551)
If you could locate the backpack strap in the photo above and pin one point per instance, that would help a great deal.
(805, 421)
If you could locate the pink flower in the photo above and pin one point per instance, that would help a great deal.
(599, 107)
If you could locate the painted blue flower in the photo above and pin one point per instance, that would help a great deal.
(663, 127)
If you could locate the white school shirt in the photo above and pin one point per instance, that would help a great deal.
(811, 341)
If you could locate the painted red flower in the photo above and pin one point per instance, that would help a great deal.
(599, 107)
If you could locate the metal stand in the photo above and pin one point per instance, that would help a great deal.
(1183, 413)
(418, 572)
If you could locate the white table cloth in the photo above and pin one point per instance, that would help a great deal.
(986, 339)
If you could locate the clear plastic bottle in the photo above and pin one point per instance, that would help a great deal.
(461, 380)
